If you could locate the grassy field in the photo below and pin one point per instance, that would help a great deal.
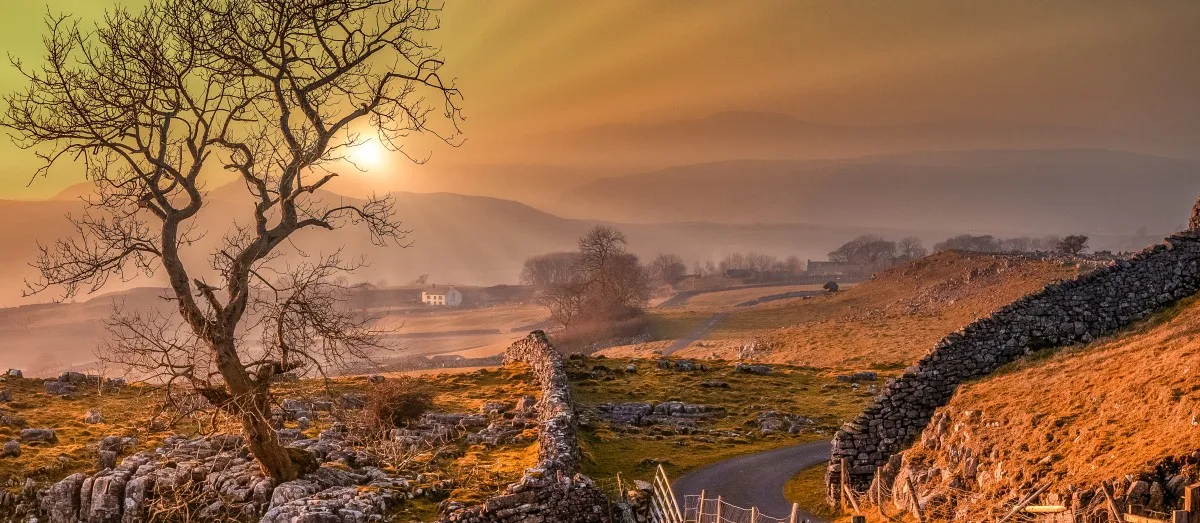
(795, 390)
(732, 297)
(808, 489)
(441, 319)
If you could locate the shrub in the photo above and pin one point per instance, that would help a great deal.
(398, 401)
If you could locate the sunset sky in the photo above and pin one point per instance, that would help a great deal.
(533, 69)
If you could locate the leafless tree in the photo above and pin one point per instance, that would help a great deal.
(602, 282)
(910, 248)
(545, 271)
(151, 103)
(668, 269)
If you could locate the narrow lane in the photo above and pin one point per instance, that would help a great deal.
(756, 479)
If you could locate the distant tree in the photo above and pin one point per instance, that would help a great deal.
(867, 251)
(603, 282)
(734, 261)
(668, 269)
(547, 270)
(422, 279)
(793, 265)
(1073, 244)
(910, 248)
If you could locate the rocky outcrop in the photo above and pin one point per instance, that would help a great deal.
(552, 491)
(1065, 313)
(217, 479)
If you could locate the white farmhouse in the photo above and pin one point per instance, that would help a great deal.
(450, 298)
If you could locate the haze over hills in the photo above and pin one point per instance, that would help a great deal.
(1013, 191)
(765, 135)
(456, 239)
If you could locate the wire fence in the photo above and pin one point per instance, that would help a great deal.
(717, 510)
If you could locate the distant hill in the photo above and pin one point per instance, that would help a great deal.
(456, 239)
(766, 135)
(1017, 191)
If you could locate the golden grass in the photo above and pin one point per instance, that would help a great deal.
(125, 413)
(807, 488)
(795, 390)
(887, 322)
(1084, 415)
(732, 297)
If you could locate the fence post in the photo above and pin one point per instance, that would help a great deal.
(700, 507)
(1113, 512)
(753, 514)
(719, 503)
(1191, 499)
(843, 481)
(912, 496)
(795, 513)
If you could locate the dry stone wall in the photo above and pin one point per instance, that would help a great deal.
(1064, 313)
(553, 491)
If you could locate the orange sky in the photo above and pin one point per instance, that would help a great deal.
(535, 68)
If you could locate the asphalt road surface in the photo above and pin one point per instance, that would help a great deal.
(755, 480)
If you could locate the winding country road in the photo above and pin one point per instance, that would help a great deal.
(756, 479)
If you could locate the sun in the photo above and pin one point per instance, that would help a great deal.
(368, 155)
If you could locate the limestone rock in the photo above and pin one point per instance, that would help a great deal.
(39, 436)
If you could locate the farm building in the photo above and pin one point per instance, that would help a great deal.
(449, 298)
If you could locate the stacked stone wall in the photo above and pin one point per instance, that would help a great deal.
(553, 491)
(1064, 313)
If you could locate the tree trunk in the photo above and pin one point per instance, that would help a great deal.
(252, 403)
(264, 443)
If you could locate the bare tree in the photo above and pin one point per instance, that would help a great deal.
(910, 248)
(547, 270)
(274, 91)
(602, 282)
(668, 269)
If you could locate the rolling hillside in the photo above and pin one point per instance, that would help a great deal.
(885, 323)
